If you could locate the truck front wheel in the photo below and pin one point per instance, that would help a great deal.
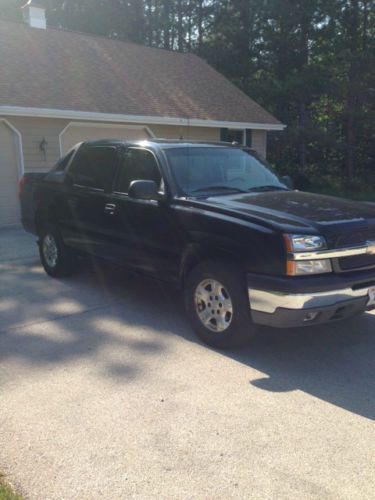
(217, 304)
(57, 259)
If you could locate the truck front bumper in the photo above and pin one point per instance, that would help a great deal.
(284, 306)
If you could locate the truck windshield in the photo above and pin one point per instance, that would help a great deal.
(220, 170)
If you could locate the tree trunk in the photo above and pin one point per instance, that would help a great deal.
(353, 11)
(149, 22)
(189, 25)
(180, 27)
(166, 24)
(350, 127)
(200, 23)
(303, 125)
(304, 117)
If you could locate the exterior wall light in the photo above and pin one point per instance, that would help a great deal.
(43, 147)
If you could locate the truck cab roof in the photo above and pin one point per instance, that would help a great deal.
(163, 143)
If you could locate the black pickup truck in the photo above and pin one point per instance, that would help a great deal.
(213, 219)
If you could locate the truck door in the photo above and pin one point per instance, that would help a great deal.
(87, 198)
(145, 231)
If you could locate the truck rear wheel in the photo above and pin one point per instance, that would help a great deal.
(217, 304)
(57, 259)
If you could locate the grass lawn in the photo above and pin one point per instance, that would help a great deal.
(6, 492)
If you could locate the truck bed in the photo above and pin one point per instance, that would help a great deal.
(28, 189)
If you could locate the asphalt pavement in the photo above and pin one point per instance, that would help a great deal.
(106, 393)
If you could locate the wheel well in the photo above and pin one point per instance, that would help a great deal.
(43, 217)
(196, 254)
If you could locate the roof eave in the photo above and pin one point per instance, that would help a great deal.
(121, 118)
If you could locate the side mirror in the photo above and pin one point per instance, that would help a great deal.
(144, 190)
(69, 179)
(288, 181)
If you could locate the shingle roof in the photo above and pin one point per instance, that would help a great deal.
(65, 70)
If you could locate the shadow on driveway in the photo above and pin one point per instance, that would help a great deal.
(334, 362)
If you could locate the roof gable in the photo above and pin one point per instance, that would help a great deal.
(64, 70)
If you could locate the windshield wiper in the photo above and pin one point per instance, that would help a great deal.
(269, 188)
(215, 188)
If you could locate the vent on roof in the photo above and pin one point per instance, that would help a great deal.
(34, 14)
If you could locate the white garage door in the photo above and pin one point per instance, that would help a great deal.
(77, 132)
(9, 204)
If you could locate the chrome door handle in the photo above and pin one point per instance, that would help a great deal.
(110, 208)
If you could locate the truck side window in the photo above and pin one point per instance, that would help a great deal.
(137, 164)
(95, 167)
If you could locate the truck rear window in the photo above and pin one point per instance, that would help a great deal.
(63, 162)
(94, 167)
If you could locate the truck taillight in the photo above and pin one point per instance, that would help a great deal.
(21, 185)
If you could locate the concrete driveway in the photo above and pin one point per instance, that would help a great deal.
(105, 393)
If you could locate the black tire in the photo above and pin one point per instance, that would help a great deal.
(65, 261)
(238, 325)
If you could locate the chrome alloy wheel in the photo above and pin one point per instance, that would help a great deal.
(213, 305)
(49, 249)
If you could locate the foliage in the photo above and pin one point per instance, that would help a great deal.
(309, 62)
(6, 493)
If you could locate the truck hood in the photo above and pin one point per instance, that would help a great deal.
(296, 211)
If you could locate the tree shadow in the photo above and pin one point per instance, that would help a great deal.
(102, 312)
(104, 306)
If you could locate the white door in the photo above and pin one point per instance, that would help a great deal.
(78, 132)
(9, 204)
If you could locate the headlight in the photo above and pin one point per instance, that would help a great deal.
(303, 243)
(303, 267)
(299, 243)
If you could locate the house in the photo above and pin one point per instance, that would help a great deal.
(58, 88)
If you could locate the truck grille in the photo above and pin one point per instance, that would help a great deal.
(356, 262)
(353, 239)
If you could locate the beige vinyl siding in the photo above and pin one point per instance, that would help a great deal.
(182, 132)
(9, 174)
(33, 130)
(259, 141)
(78, 131)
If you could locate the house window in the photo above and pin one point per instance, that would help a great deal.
(241, 136)
(236, 136)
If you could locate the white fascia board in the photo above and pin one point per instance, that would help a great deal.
(144, 120)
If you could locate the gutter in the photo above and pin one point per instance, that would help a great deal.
(144, 120)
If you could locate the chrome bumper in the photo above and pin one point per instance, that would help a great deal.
(367, 249)
(282, 309)
(268, 302)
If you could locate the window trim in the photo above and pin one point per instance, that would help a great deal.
(140, 148)
(243, 131)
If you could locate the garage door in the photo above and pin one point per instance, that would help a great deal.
(77, 132)
(9, 205)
